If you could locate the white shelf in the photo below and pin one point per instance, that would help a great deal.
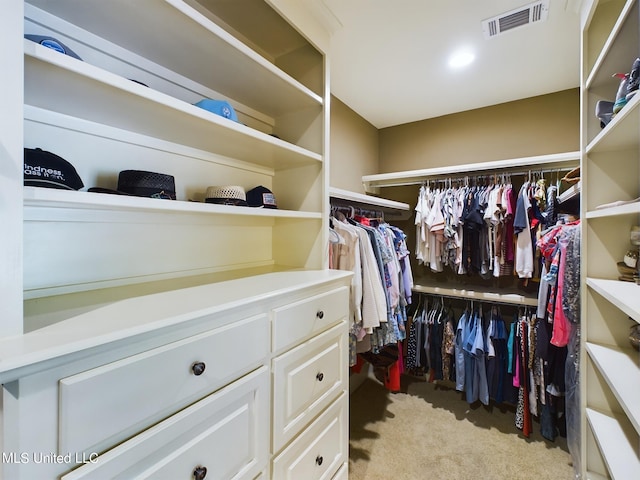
(474, 293)
(414, 177)
(624, 295)
(619, 47)
(621, 133)
(619, 454)
(46, 204)
(619, 210)
(103, 325)
(369, 201)
(194, 46)
(124, 104)
(621, 371)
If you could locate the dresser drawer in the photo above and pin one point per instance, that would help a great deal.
(343, 473)
(319, 451)
(226, 433)
(306, 379)
(103, 406)
(301, 320)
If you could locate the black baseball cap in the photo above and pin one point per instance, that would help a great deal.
(48, 170)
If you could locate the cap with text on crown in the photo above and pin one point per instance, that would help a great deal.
(48, 170)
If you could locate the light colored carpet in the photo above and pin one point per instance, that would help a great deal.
(429, 432)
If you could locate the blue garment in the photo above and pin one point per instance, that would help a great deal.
(470, 359)
(459, 352)
(480, 388)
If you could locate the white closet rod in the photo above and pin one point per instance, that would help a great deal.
(533, 173)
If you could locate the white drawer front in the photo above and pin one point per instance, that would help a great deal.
(226, 433)
(105, 405)
(306, 380)
(301, 320)
(320, 450)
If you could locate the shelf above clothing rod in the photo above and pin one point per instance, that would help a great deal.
(556, 161)
(388, 207)
(475, 293)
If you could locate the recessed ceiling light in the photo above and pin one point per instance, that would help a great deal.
(461, 58)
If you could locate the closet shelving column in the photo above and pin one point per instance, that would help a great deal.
(610, 170)
(92, 114)
(557, 161)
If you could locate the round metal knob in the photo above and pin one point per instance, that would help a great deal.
(319, 460)
(198, 369)
(199, 472)
(320, 376)
(320, 314)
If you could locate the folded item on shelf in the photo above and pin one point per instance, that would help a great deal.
(219, 107)
(617, 203)
(52, 43)
(48, 170)
(141, 183)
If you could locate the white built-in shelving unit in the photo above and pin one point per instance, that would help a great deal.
(91, 113)
(147, 302)
(610, 172)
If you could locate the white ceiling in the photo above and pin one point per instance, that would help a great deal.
(389, 57)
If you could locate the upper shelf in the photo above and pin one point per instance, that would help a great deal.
(369, 201)
(620, 47)
(121, 103)
(414, 177)
(614, 211)
(624, 295)
(474, 293)
(181, 39)
(622, 132)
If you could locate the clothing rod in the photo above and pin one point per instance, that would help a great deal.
(488, 174)
(352, 210)
(440, 177)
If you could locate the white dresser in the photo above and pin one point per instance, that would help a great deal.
(245, 378)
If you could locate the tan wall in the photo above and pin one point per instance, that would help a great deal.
(354, 148)
(529, 127)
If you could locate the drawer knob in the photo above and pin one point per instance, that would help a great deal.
(320, 314)
(198, 369)
(199, 472)
(319, 460)
(320, 376)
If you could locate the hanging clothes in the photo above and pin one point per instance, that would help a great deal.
(468, 229)
(381, 286)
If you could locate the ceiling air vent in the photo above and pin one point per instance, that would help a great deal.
(532, 13)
